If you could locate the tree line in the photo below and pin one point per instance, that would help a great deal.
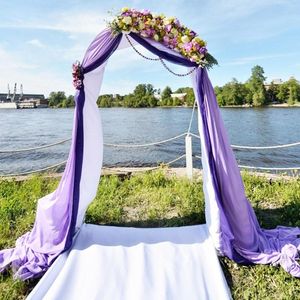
(254, 92)
(145, 95)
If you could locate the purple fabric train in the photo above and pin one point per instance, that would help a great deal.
(230, 218)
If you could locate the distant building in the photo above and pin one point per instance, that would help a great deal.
(277, 81)
(180, 96)
(157, 96)
(22, 100)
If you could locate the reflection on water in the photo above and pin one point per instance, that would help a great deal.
(255, 127)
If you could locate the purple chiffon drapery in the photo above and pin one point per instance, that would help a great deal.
(241, 237)
(56, 214)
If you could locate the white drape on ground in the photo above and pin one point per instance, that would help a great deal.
(120, 263)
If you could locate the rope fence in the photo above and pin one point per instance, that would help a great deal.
(150, 144)
(262, 168)
(188, 153)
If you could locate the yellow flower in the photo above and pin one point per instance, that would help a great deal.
(127, 20)
(141, 25)
(156, 37)
(124, 9)
(168, 21)
(185, 39)
(174, 31)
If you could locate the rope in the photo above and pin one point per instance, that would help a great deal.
(256, 147)
(35, 171)
(191, 120)
(158, 59)
(265, 147)
(35, 148)
(105, 144)
(62, 163)
(264, 168)
(145, 145)
(152, 144)
(271, 169)
(195, 135)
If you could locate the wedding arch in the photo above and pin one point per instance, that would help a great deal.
(230, 219)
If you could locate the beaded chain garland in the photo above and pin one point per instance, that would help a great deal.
(158, 59)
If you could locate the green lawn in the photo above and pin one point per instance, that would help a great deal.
(153, 200)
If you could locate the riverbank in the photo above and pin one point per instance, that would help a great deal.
(153, 199)
(125, 172)
(278, 105)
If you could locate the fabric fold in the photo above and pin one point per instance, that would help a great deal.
(230, 218)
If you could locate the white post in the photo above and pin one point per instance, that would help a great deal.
(189, 156)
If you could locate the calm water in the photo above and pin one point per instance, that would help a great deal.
(255, 127)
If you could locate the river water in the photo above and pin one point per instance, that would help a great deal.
(245, 126)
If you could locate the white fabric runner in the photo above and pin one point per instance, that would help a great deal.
(124, 263)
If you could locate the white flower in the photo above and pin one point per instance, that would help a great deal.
(127, 20)
(168, 21)
(174, 31)
(141, 25)
(185, 39)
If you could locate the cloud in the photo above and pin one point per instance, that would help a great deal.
(251, 59)
(36, 43)
(34, 79)
(11, 62)
(83, 22)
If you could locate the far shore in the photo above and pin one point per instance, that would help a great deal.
(281, 105)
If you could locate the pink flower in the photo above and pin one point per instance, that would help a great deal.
(166, 39)
(187, 47)
(145, 12)
(168, 27)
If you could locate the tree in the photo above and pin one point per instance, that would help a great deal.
(282, 94)
(56, 99)
(190, 96)
(166, 93)
(293, 91)
(106, 100)
(233, 93)
(219, 95)
(271, 93)
(255, 84)
(166, 99)
(150, 90)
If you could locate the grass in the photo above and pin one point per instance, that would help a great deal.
(152, 200)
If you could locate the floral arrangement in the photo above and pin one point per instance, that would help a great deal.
(167, 30)
(77, 74)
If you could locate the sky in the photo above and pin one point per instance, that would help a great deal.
(39, 41)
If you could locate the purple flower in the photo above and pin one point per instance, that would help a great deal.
(168, 27)
(176, 22)
(203, 50)
(193, 33)
(196, 45)
(77, 73)
(145, 12)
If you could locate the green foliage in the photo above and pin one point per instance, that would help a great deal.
(232, 93)
(154, 199)
(254, 92)
(60, 100)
